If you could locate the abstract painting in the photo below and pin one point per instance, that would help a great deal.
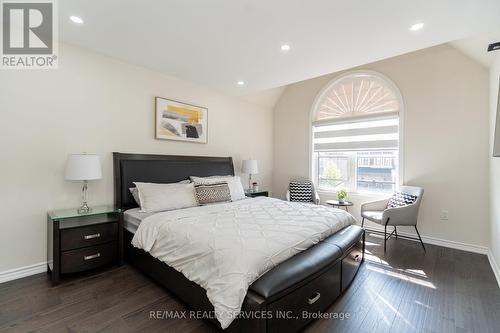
(180, 121)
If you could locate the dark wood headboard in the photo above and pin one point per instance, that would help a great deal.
(129, 168)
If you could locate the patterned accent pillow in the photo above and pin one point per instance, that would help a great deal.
(234, 183)
(400, 199)
(301, 191)
(212, 193)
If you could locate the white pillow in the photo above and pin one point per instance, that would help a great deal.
(160, 197)
(234, 183)
(135, 193)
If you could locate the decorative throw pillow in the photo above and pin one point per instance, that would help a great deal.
(234, 183)
(161, 197)
(301, 191)
(212, 193)
(400, 199)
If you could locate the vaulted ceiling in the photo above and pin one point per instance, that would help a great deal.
(220, 42)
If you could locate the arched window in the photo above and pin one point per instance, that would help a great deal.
(356, 134)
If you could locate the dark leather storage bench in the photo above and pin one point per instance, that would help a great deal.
(311, 280)
(351, 242)
(311, 297)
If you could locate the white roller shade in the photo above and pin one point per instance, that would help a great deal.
(366, 134)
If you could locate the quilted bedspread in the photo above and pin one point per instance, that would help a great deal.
(224, 248)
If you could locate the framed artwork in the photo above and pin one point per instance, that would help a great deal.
(181, 121)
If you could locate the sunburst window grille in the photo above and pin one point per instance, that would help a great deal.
(358, 94)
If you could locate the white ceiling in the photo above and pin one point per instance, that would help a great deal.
(219, 42)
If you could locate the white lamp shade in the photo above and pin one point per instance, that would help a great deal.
(83, 167)
(250, 167)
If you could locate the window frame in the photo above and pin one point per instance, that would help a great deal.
(319, 98)
(351, 181)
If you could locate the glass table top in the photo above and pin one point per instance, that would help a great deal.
(60, 214)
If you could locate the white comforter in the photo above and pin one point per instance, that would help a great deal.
(224, 248)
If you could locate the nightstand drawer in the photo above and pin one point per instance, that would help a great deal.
(88, 258)
(76, 238)
(257, 194)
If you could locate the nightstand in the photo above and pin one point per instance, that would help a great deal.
(81, 242)
(253, 194)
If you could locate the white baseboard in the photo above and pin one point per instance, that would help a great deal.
(20, 272)
(494, 266)
(455, 245)
(441, 242)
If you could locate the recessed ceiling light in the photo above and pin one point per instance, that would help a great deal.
(76, 19)
(416, 26)
(240, 83)
(285, 47)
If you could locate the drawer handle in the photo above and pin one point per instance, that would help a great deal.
(92, 236)
(314, 298)
(357, 258)
(93, 256)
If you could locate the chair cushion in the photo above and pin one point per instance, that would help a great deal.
(301, 191)
(372, 215)
(401, 199)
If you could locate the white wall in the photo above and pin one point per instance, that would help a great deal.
(445, 138)
(494, 170)
(97, 104)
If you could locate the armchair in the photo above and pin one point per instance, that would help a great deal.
(378, 212)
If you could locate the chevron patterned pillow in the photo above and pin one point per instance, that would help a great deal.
(401, 199)
(301, 191)
(212, 193)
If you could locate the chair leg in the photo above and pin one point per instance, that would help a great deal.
(362, 222)
(385, 237)
(395, 231)
(420, 238)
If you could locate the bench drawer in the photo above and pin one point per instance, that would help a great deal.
(88, 257)
(76, 238)
(312, 297)
(351, 263)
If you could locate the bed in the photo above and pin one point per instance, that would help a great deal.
(306, 282)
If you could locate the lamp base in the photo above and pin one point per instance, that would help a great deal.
(84, 209)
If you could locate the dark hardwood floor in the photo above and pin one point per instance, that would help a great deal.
(404, 290)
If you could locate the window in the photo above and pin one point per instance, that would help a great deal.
(356, 135)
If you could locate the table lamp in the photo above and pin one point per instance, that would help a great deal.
(250, 167)
(83, 167)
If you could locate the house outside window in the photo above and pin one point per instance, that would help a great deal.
(356, 134)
